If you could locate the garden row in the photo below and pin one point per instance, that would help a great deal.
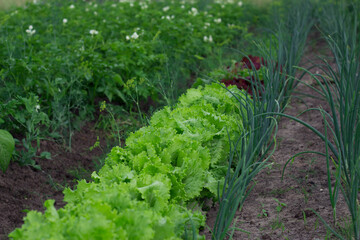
(149, 188)
(59, 59)
(183, 155)
(141, 191)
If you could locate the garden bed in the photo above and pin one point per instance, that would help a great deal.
(154, 171)
(304, 185)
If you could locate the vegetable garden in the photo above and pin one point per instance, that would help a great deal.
(180, 120)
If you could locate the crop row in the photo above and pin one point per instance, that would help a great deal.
(59, 58)
(149, 188)
(144, 189)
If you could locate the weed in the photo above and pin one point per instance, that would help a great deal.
(96, 145)
(263, 213)
(345, 227)
(280, 191)
(55, 185)
(304, 216)
(306, 194)
(80, 173)
(277, 223)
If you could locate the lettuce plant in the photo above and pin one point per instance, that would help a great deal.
(240, 73)
(146, 189)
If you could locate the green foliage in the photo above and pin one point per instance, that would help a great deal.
(66, 55)
(185, 142)
(251, 148)
(24, 116)
(7, 145)
(153, 180)
(341, 90)
(293, 22)
(72, 55)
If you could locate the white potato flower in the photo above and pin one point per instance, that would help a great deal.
(30, 31)
(208, 39)
(93, 32)
(65, 21)
(193, 11)
(72, 6)
(134, 36)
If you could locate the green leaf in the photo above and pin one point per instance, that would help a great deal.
(118, 79)
(199, 57)
(155, 190)
(45, 155)
(7, 145)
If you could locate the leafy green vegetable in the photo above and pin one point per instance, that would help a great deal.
(7, 145)
(144, 189)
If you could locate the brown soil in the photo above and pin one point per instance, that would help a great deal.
(304, 185)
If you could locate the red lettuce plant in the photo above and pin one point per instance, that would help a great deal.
(240, 74)
(243, 76)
